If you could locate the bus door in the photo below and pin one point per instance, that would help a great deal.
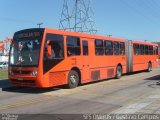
(85, 61)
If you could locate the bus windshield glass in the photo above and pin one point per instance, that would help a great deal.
(25, 50)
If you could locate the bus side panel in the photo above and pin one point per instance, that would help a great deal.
(40, 78)
(58, 74)
(85, 59)
(104, 67)
(155, 61)
(140, 62)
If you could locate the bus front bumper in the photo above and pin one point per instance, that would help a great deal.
(23, 80)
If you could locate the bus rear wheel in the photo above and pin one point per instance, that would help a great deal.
(118, 72)
(73, 79)
(149, 67)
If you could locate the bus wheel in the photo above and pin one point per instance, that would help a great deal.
(149, 67)
(73, 79)
(118, 72)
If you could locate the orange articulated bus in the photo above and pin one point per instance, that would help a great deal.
(47, 57)
(144, 56)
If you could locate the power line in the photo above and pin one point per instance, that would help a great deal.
(154, 5)
(149, 7)
(134, 9)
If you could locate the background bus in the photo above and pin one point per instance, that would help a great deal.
(48, 57)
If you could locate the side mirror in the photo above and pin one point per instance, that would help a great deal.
(49, 48)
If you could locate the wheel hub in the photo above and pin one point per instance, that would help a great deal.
(73, 79)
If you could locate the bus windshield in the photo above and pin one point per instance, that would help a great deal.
(25, 48)
(25, 52)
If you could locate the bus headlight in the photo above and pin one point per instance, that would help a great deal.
(34, 73)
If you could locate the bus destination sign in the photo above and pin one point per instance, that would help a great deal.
(28, 34)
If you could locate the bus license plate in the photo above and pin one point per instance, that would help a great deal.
(20, 79)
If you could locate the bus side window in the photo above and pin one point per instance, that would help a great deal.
(85, 48)
(156, 50)
(146, 49)
(116, 48)
(56, 42)
(73, 46)
(150, 50)
(136, 49)
(108, 47)
(99, 47)
(122, 48)
(141, 49)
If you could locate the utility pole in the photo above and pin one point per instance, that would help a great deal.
(39, 25)
(77, 15)
(145, 40)
(109, 35)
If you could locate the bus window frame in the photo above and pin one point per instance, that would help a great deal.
(117, 48)
(122, 50)
(69, 53)
(99, 49)
(83, 47)
(107, 48)
(142, 49)
(150, 50)
(136, 49)
(146, 51)
(51, 40)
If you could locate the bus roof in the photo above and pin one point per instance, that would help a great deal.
(145, 43)
(84, 35)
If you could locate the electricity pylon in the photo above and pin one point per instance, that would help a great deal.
(77, 15)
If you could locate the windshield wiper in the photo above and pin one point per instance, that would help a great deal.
(30, 58)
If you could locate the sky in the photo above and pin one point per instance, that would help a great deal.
(129, 19)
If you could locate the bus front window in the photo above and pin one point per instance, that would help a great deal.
(53, 51)
(25, 52)
(54, 47)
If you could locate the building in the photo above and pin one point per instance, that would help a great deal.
(5, 46)
(3, 58)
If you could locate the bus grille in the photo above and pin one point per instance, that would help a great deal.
(110, 73)
(95, 75)
(21, 72)
(24, 82)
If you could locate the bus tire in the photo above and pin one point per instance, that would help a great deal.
(73, 79)
(149, 67)
(118, 72)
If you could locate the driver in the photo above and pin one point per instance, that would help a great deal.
(50, 51)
